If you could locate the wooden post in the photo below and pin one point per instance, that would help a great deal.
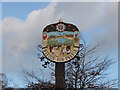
(60, 75)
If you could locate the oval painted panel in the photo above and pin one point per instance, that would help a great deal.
(60, 42)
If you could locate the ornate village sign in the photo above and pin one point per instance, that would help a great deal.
(60, 41)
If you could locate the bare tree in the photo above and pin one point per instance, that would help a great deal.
(89, 71)
(3, 81)
(34, 81)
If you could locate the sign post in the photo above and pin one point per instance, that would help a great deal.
(60, 75)
(60, 44)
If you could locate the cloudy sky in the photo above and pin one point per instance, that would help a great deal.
(22, 24)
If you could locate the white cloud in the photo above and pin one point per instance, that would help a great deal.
(20, 38)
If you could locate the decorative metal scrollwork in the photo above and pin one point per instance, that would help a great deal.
(42, 58)
(39, 47)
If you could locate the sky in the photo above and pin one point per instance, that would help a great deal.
(22, 24)
(21, 10)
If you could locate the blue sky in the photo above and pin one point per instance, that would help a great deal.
(23, 23)
(21, 9)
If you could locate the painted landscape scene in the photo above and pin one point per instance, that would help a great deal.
(61, 44)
